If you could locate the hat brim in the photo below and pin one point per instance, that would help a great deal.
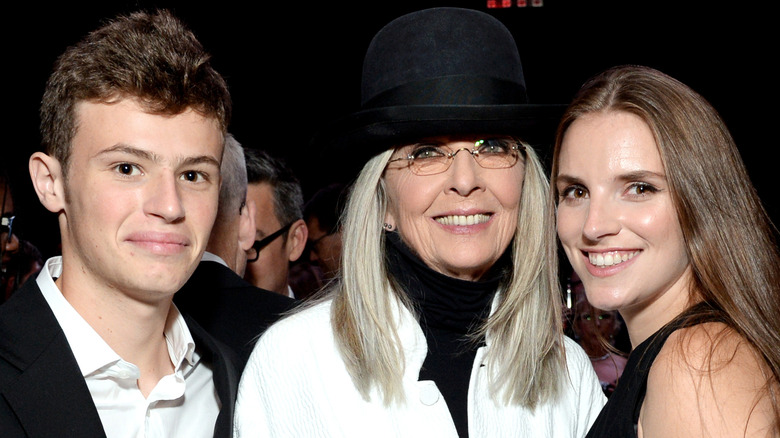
(354, 139)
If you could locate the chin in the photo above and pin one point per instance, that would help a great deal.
(166, 281)
(605, 300)
(467, 272)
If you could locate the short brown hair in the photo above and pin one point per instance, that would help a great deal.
(147, 56)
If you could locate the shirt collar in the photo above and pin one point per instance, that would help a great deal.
(211, 257)
(92, 353)
(181, 346)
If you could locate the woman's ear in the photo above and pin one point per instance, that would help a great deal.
(47, 180)
(389, 223)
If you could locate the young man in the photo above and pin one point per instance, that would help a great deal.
(133, 121)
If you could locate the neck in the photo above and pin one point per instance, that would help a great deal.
(598, 358)
(444, 302)
(224, 248)
(132, 328)
(645, 318)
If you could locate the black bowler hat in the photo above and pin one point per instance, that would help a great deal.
(439, 71)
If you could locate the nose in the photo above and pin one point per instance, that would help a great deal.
(602, 219)
(163, 198)
(464, 172)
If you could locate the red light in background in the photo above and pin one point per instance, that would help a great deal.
(493, 4)
(497, 4)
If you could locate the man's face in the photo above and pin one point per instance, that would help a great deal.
(324, 248)
(140, 199)
(271, 268)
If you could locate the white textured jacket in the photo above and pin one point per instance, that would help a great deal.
(296, 385)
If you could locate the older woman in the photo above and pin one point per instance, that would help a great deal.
(445, 320)
(660, 221)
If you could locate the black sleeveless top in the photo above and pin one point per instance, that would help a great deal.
(620, 416)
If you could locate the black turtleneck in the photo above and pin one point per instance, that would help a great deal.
(449, 308)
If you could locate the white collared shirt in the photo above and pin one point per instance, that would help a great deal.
(211, 257)
(112, 381)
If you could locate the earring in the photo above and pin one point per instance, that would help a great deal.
(388, 227)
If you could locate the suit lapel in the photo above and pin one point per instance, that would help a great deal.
(49, 396)
(223, 362)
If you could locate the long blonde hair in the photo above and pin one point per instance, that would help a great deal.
(528, 366)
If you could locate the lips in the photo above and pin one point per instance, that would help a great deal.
(463, 220)
(159, 243)
(610, 258)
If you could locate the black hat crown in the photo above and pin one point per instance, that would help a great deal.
(440, 71)
(469, 57)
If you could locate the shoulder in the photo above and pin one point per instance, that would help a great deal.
(583, 397)
(27, 327)
(214, 285)
(576, 358)
(26, 315)
(579, 367)
(710, 349)
(294, 334)
(706, 380)
(283, 358)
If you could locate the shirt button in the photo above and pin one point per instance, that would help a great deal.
(429, 394)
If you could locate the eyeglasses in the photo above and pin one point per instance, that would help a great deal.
(491, 153)
(265, 241)
(313, 244)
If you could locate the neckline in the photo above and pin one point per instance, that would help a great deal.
(600, 358)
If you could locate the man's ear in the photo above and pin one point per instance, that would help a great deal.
(246, 225)
(46, 175)
(296, 239)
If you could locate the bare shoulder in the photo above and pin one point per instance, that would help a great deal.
(707, 381)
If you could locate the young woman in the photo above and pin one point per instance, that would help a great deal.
(658, 217)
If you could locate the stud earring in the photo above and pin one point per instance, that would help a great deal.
(388, 227)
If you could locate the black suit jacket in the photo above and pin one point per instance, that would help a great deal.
(42, 391)
(230, 308)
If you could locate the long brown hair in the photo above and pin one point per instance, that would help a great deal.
(730, 240)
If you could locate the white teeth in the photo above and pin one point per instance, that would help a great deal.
(611, 258)
(461, 220)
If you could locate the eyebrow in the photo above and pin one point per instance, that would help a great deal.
(628, 176)
(640, 175)
(567, 179)
(151, 156)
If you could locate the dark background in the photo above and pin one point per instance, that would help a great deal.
(293, 66)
